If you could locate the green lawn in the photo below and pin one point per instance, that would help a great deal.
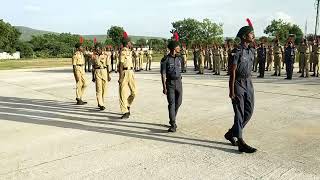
(34, 63)
(46, 63)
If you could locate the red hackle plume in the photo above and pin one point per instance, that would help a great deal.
(95, 40)
(125, 35)
(249, 22)
(176, 36)
(81, 39)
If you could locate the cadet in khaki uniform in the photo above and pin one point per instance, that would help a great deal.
(78, 62)
(184, 54)
(108, 54)
(225, 57)
(304, 51)
(149, 59)
(270, 58)
(316, 58)
(100, 75)
(278, 52)
(202, 61)
(141, 55)
(127, 84)
(136, 60)
(217, 59)
(116, 57)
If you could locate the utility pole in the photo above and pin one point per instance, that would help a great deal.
(317, 18)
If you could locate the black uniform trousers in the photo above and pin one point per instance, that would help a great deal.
(174, 97)
(243, 105)
(262, 67)
(289, 69)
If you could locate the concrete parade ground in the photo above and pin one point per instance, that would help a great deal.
(44, 135)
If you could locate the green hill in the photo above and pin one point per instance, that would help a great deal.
(27, 33)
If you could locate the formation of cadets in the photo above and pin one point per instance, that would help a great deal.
(101, 61)
(141, 57)
(271, 57)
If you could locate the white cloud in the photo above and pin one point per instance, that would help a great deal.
(284, 16)
(32, 8)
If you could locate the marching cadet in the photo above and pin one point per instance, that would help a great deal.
(136, 59)
(289, 59)
(87, 56)
(304, 50)
(202, 60)
(141, 54)
(107, 51)
(262, 57)
(149, 58)
(231, 53)
(127, 84)
(116, 58)
(225, 57)
(171, 81)
(313, 57)
(256, 61)
(270, 58)
(78, 62)
(184, 54)
(316, 58)
(278, 52)
(100, 75)
(196, 56)
(241, 89)
(217, 59)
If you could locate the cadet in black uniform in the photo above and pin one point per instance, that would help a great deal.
(289, 55)
(241, 88)
(171, 81)
(262, 58)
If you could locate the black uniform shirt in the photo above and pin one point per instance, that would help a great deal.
(171, 66)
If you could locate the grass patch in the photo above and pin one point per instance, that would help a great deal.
(34, 63)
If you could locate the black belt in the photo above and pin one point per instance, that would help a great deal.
(174, 79)
(125, 69)
(100, 68)
(278, 53)
(303, 53)
(79, 65)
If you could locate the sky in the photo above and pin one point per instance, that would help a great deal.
(153, 17)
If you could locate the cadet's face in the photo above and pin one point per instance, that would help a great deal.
(250, 37)
(177, 49)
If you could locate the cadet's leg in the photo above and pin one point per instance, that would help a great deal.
(132, 87)
(104, 89)
(84, 84)
(178, 96)
(79, 85)
(99, 91)
(248, 104)
(171, 102)
(238, 108)
(123, 93)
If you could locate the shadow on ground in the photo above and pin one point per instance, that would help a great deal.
(68, 115)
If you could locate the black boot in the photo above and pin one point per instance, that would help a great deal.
(80, 102)
(129, 111)
(243, 147)
(125, 116)
(230, 138)
(102, 108)
(173, 128)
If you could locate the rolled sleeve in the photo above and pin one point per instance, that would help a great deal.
(235, 58)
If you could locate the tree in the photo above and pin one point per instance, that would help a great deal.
(8, 37)
(141, 42)
(192, 31)
(211, 32)
(156, 44)
(116, 34)
(282, 30)
(25, 48)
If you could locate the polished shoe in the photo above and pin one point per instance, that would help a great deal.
(173, 128)
(80, 102)
(279, 74)
(125, 116)
(129, 111)
(230, 138)
(243, 147)
(102, 108)
(274, 74)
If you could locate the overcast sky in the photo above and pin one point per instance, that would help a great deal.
(152, 17)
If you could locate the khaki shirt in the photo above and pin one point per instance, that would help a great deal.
(100, 64)
(149, 53)
(78, 58)
(304, 49)
(278, 50)
(141, 53)
(126, 58)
